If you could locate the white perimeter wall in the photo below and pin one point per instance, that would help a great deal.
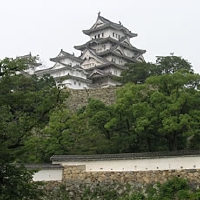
(48, 175)
(187, 162)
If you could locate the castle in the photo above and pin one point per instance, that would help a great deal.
(102, 58)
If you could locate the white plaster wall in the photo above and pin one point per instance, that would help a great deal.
(176, 163)
(66, 71)
(77, 73)
(98, 34)
(109, 82)
(31, 70)
(109, 58)
(89, 63)
(108, 45)
(129, 53)
(57, 66)
(113, 71)
(108, 33)
(71, 62)
(102, 47)
(48, 175)
(74, 84)
(115, 59)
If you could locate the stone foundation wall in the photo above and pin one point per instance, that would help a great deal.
(79, 98)
(78, 173)
(79, 184)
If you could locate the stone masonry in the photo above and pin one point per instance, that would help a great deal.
(79, 98)
(78, 173)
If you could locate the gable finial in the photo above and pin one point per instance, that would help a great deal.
(99, 13)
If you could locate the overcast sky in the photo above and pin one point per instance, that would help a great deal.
(43, 27)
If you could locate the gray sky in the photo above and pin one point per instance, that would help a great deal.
(43, 27)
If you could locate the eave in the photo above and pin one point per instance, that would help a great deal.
(108, 39)
(73, 78)
(104, 53)
(123, 156)
(120, 27)
(64, 55)
(58, 59)
(106, 65)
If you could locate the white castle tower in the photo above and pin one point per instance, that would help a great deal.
(102, 58)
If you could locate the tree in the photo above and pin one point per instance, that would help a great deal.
(176, 101)
(162, 112)
(171, 64)
(175, 188)
(16, 183)
(25, 103)
(82, 132)
(136, 72)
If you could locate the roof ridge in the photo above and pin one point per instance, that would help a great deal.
(124, 155)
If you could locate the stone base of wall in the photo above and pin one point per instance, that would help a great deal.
(79, 98)
(78, 173)
(79, 190)
(86, 189)
(80, 184)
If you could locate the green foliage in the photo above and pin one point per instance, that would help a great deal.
(159, 114)
(25, 103)
(9, 66)
(76, 133)
(134, 196)
(100, 192)
(16, 183)
(171, 64)
(175, 188)
(162, 113)
(137, 72)
(59, 193)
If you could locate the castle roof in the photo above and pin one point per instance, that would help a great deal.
(97, 73)
(106, 65)
(68, 76)
(94, 55)
(62, 55)
(113, 52)
(108, 24)
(43, 166)
(108, 39)
(65, 67)
(123, 156)
(29, 57)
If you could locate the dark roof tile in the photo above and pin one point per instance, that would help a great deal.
(124, 156)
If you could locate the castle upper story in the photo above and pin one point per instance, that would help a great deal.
(102, 57)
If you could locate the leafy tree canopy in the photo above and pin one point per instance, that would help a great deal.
(138, 72)
(25, 103)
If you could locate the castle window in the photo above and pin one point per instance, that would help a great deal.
(98, 35)
(113, 34)
(102, 34)
(74, 82)
(113, 60)
(79, 84)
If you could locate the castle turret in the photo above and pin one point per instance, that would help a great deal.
(102, 58)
